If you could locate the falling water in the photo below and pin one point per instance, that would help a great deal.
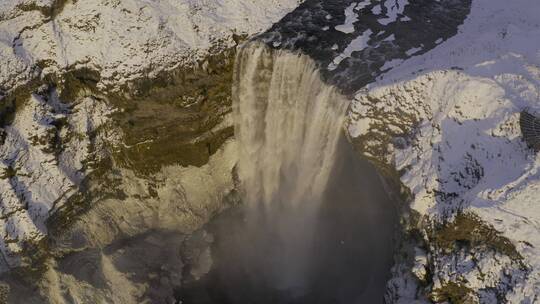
(288, 123)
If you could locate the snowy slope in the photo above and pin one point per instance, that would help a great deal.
(36, 176)
(448, 121)
(122, 39)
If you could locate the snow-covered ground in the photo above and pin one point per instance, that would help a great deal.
(449, 121)
(123, 39)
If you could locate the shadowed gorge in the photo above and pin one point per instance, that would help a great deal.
(348, 261)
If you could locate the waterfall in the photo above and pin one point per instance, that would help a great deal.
(288, 122)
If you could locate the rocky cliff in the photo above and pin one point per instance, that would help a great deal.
(115, 129)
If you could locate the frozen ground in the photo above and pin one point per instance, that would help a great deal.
(122, 39)
(449, 122)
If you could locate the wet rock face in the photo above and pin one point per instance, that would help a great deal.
(356, 41)
(191, 105)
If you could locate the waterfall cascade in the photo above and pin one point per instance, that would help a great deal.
(288, 123)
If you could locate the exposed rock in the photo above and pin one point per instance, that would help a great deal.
(378, 36)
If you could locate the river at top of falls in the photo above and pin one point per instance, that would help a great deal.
(288, 123)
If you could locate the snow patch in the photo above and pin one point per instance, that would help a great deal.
(358, 44)
(350, 18)
(393, 10)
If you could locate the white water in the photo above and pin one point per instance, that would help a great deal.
(288, 123)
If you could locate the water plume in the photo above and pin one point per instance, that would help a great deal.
(288, 123)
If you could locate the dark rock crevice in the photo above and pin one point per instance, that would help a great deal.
(311, 29)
